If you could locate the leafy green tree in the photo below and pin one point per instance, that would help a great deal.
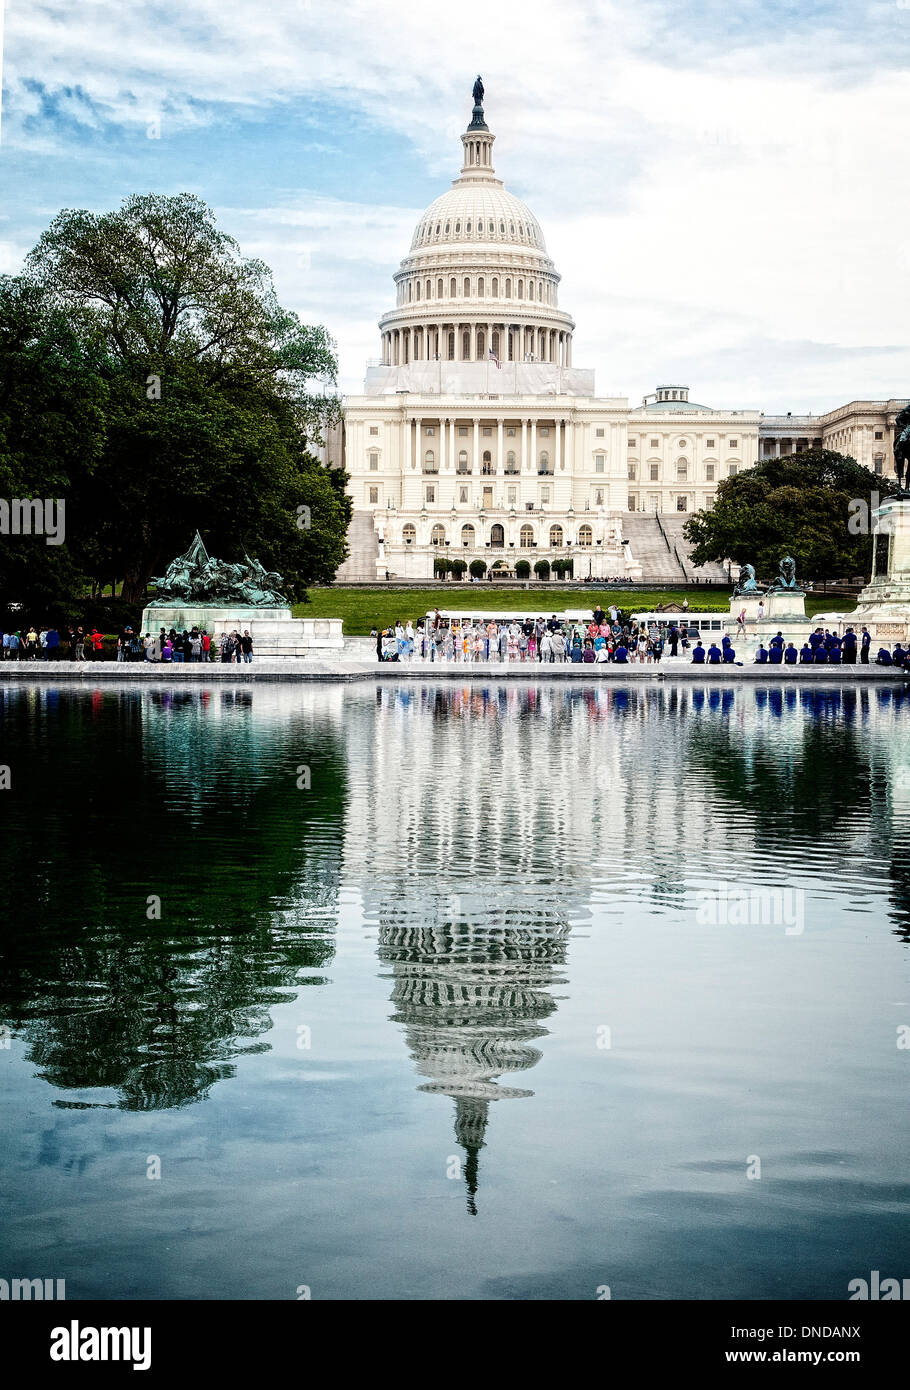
(213, 394)
(458, 567)
(542, 569)
(478, 568)
(562, 567)
(441, 566)
(522, 569)
(803, 505)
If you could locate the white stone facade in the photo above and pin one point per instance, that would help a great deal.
(477, 438)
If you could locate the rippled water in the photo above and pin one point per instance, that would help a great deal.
(497, 992)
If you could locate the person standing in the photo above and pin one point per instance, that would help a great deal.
(246, 646)
(52, 644)
(848, 647)
(865, 644)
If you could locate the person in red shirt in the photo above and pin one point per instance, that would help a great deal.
(97, 641)
(206, 646)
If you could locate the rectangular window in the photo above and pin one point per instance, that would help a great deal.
(709, 472)
(632, 443)
(488, 497)
(544, 431)
(374, 463)
(734, 443)
(463, 431)
(682, 504)
(877, 461)
(510, 434)
(655, 443)
(431, 493)
(374, 495)
(633, 502)
(732, 471)
(879, 435)
(709, 500)
(430, 429)
(655, 472)
(512, 495)
(632, 472)
(462, 494)
(545, 495)
(600, 435)
(598, 497)
(598, 463)
(709, 443)
(487, 431)
(374, 429)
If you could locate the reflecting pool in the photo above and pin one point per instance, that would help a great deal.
(496, 991)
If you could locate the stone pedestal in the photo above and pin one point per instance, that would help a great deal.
(782, 611)
(883, 605)
(275, 633)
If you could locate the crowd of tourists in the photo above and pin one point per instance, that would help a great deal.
(195, 645)
(607, 637)
(49, 643)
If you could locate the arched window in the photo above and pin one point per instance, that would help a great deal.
(409, 291)
(438, 535)
(458, 229)
(480, 289)
(451, 347)
(521, 289)
(462, 460)
(452, 288)
(555, 537)
(497, 537)
(429, 289)
(510, 462)
(439, 289)
(467, 288)
(481, 345)
(508, 289)
(526, 538)
(429, 461)
(466, 345)
(409, 534)
(467, 535)
(494, 343)
(584, 535)
(544, 462)
(495, 287)
(418, 289)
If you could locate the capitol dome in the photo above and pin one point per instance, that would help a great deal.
(477, 280)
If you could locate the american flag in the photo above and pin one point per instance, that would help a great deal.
(495, 358)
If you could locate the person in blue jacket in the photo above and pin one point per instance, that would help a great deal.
(714, 654)
(834, 650)
(729, 652)
(621, 654)
(848, 647)
(761, 655)
(791, 655)
(777, 641)
(821, 653)
(776, 651)
(816, 639)
(897, 655)
(698, 653)
(805, 655)
(884, 657)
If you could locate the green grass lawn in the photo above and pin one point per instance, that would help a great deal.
(362, 609)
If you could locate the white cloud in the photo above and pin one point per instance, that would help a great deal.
(706, 202)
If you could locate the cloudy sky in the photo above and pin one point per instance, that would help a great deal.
(724, 186)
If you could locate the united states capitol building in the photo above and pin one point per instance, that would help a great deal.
(477, 437)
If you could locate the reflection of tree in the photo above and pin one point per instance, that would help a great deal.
(122, 796)
(472, 995)
(808, 781)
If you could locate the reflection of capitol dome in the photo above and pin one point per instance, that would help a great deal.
(472, 997)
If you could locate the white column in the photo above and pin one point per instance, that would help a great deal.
(500, 461)
(442, 444)
(524, 445)
(407, 442)
(534, 445)
(452, 444)
(476, 464)
(557, 463)
(473, 341)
